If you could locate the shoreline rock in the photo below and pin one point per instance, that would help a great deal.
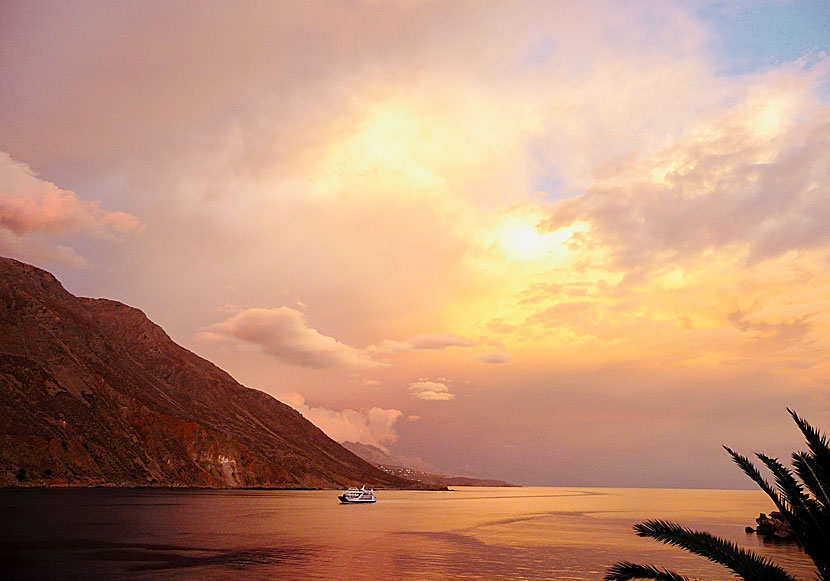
(774, 527)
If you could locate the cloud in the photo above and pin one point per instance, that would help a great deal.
(430, 391)
(33, 211)
(682, 201)
(375, 426)
(563, 313)
(424, 341)
(774, 334)
(753, 177)
(496, 358)
(284, 334)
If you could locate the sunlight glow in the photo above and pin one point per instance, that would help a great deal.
(391, 142)
(524, 241)
(519, 237)
(770, 117)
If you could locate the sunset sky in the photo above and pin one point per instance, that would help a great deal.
(563, 243)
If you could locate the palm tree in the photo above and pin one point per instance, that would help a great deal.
(803, 499)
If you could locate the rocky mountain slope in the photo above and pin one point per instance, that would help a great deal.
(376, 456)
(415, 468)
(94, 393)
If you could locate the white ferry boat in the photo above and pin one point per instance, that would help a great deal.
(357, 495)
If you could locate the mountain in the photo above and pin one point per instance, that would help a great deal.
(415, 468)
(93, 393)
(376, 456)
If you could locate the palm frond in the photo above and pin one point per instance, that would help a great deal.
(805, 518)
(791, 490)
(801, 495)
(817, 442)
(791, 493)
(624, 571)
(744, 563)
(813, 467)
(814, 478)
(819, 544)
(750, 470)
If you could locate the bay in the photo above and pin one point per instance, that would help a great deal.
(466, 533)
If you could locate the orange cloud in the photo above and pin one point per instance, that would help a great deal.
(33, 210)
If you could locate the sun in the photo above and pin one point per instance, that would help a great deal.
(524, 241)
(519, 237)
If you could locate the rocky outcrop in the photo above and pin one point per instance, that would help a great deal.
(94, 393)
(774, 526)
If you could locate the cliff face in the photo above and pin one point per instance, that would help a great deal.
(94, 393)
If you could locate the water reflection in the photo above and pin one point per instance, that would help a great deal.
(146, 556)
(530, 533)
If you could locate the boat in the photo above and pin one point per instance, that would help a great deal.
(357, 496)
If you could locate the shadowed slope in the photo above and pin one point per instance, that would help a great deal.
(94, 393)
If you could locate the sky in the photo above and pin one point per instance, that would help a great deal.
(557, 243)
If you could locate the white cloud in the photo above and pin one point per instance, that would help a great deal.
(430, 391)
(375, 426)
(284, 333)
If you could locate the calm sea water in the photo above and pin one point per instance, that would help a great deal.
(467, 533)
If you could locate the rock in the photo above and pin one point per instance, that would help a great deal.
(774, 526)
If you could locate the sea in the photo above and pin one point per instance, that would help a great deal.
(464, 533)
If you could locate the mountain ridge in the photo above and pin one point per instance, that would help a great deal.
(93, 393)
(416, 469)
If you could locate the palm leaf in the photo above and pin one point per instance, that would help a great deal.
(806, 519)
(820, 509)
(814, 468)
(792, 494)
(624, 571)
(750, 470)
(801, 495)
(816, 442)
(814, 478)
(744, 563)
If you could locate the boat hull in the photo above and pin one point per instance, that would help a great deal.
(344, 500)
